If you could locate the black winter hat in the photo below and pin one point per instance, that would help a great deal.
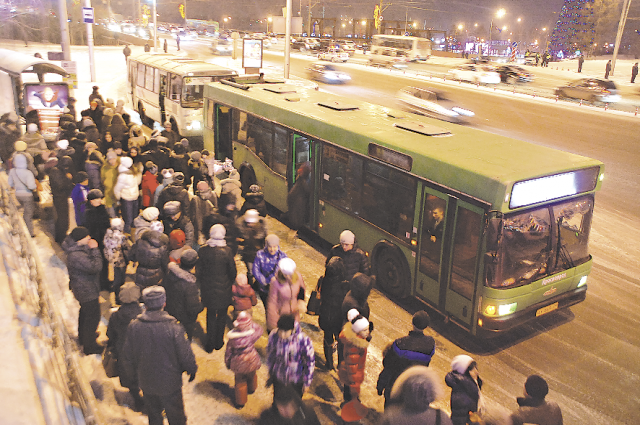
(286, 322)
(79, 233)
(536, 387)
(94, 194)
(188, 259)
(421, 320)
(80, 177)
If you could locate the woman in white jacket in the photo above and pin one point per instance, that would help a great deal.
(127, 191)
(24, 183)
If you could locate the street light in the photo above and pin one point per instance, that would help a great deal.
(499, 14)
(269, 19)
(225, 20)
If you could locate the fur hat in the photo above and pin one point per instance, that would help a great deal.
(171, 208)
(286, 322)
(217, 232)
(157, 226)
(188, 259)
(178, 177)
(176, 239)
(251, 216)
(94, 194)
(64, 144)
(129, 293)
(347, 237)
(154, 297)
(461, 363)
(79, 233)
(272, 240)
(421, 320)
(536, 387)
(287, 266)
(416, 388)
(117, 223)
(150, 213)
(359, 323)
(20, 146)
(111, 154)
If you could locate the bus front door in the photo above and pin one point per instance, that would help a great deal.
(162, 94)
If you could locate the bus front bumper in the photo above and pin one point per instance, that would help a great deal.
(500, 324)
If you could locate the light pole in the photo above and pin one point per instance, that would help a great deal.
(225, 20)
(155, 28)
(269, 19)
(499, 14)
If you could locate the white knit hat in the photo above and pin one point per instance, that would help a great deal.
(287, 266)
(460, 363)
(359, 324)
(150, 213)
(157, 226)
(347, 237)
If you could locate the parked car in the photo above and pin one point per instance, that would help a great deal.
(431, 103)
(334, 54)
(327, 73)
(514, 74)
(590, 89)
(482, 74)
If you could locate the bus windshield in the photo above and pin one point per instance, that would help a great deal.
(539, 242)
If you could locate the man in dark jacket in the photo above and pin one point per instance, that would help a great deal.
(288, 409)
(533, 408)
(97, 222)
(151, 251)
(216, 271)
(156, 352)
(84, 263)
(156, 155)
(183, 296)
(61, 182)
(415, 349)
(174, 219)
(355, 260)
(175, 192)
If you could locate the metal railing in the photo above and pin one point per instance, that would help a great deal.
(63, 371)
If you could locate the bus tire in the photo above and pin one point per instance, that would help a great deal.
(391, 269)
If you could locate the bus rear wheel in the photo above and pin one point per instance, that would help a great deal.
(391, 270)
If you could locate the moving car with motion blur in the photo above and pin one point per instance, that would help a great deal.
(481, 74)
(327, 73)
(334, 54)
(514, 74)
(222, 46)
(431, 103)
(590, 89)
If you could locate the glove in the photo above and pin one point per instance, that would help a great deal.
(192, 376)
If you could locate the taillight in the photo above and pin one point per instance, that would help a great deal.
(605, 91)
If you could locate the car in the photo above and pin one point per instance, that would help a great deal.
(590, 89)
(514, 74)
(349, 47)
(334, 54)
(481, 74)
(222, 46)
(431, 103)
(327, 73)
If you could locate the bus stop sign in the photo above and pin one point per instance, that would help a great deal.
(87, 15)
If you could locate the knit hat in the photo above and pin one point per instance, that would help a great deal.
(243, 321)
(347, 237)
(254, 188)
(20, 146)
(129, 293)
(202, 186)
(251, 216)
(154, 297)
(241, 279)
(79, 233)
(117, 223)
(90, 145)
(157, 226)
(286, 322)
(149, 165)
(171, 208)
(167, 175)
(150, 213)
(64, 144)
(217, 232)
(536, 387)
(188, 259)
(421, 320)
(272, 240)
(358, 323)
(32, 127)
(176, 239)
(178, 177)
(111, 154)
(461, 363)
(287, 266)
(195, 156)
(80, 177)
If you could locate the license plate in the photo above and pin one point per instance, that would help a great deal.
(547, 309)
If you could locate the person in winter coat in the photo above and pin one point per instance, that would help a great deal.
(254, 200)
(151, 251)
(179, 161)
(22, 180)
(149, 184)
(183, 295)
(156, 154)
(265, 265)
(241, 356)
(465, 388)
(109, 177)
(95, 94)
(355, 337)
(166, 178)
(355, 260)
(533, 408)
(91, 130)
(129, 296)
(286, 293)
(116, 251)
(415, 349)
(253, 229)
(197, 169)
(290, 356)
(60, 180)
(288, 409)
(231, 192)
(118, 128)
(98, 222)
(360, 285)
(202, 205)
(173, 219)
(144, 220)
(175, 191)
(20, 148)
(216, 271)
(244, 297)
(333, 288)
(106, 120)
(228, 219)
(298, 198)
(176, 245)
(34, 140)
(137, 137)
(107, 143)
(170, 134)
(79, 196)
(126, 191)
(84, 263)
(413, 392)
(157, 352)
(138, 165)
(9, 134)
(93, 164)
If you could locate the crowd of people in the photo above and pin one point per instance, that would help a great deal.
(178, 218)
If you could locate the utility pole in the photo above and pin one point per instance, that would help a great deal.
(621, 24)
(65, 43)
(382, 8)
(92, 63)
(155, 28)
(287, 40)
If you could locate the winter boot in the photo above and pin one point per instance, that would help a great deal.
(241, 393)
(252, 384)
(328, 355)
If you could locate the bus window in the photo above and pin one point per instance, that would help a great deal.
(260, 132)
(148, 80)
(156, 79)
(341, 178)
(192, 96)
(465, 251)
(175, 89)
(573, 220)
(141, 70)
(240, 129)
(432, 229)
(280, 149)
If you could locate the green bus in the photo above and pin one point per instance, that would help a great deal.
(489, 231)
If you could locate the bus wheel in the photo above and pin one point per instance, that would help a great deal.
(391, 269)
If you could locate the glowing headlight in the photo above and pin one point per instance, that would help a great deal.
(490, 310)
(505, 309)
(194, 125)
(583, 281)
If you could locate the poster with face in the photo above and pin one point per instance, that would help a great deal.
(46, 96)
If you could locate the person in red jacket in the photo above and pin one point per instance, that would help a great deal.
(244, 297)
(149, 184)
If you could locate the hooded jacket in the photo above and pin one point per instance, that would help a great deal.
(333, 289)
(157, 352)
(83, 265)
(357, 296)
(291, 360)
(465, 393)
(183, 295)
(216, 271)
(148, 187)
(244, 297)
(151, 251)
(126, 186)
(351, 369)
(134, 139)
(117, 331)
(117, 128)
(21, 178)
(232, 188)
(265, 266)
(241, 355)
(92, 166)
(284, 293)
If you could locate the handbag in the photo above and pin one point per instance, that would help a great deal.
(110, 362)
(314, 303)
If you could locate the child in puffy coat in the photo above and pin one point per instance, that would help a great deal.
(244, 297)
(116, 249)
(465, 388)
(241, 356)
(355, 337)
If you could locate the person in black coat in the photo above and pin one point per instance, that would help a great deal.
(359, 290)
(232, 232)
(254, 200)
(465, 388)
(97, 221)
(151, 251)
(179, 161)
(61, 182)
(415, 349)
(216, 271)
(333, 289)
(355, 260)
(156, 154)
(183, 295)
(175, 192)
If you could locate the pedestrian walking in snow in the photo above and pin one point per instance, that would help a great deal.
(607, 70)
(580, 62)
(23, 181)
(533, 408)
(241, 356)
(286, 293)
(634, 72)
(465, 383)
(355, 260)
(165, 46)
(183, 295)
(265, 266)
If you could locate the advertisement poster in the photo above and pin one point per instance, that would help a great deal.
(251, 53)
(49, 99)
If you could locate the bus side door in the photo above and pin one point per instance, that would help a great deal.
(300, 179)
(162, 94)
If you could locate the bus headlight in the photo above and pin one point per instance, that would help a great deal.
(194, 125)
(490, 310)
(583, 281)
(505, 309)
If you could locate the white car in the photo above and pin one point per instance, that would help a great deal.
(349, 47)
(334, 54)
(431, 103)
(475, 73)
(327, 73)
